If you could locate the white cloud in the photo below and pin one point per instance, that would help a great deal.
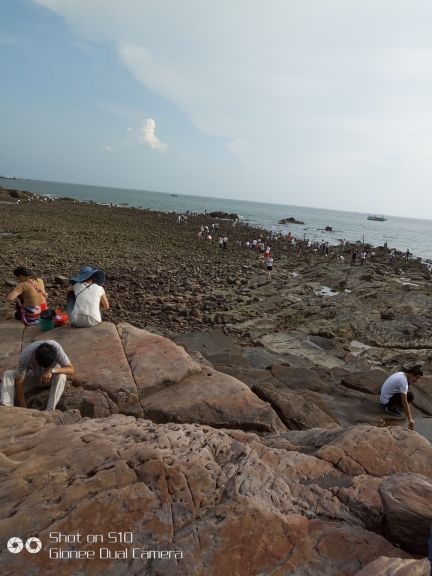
(108, 148)
(239, 149)
(148, 136)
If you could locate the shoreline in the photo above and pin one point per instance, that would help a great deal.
(400, 233)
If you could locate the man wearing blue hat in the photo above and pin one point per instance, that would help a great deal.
(86, 298)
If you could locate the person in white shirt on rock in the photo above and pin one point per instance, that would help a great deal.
(86, 298)
(395, 396)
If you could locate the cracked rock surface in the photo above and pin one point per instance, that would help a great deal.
(231, 502)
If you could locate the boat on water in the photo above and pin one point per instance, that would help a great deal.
(377, 218)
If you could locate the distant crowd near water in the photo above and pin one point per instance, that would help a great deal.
(399, 233)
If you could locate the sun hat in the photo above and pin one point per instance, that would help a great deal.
(87, 272)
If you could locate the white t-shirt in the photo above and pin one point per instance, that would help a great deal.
(87, 300)
(396, 383)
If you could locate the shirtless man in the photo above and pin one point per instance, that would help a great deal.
(30, 296)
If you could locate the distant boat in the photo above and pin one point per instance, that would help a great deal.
(377, 218)
(175, 195)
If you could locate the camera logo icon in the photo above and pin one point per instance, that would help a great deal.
(33, 545)
(15, 545)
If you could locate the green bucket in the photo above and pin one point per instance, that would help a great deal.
(46, 320)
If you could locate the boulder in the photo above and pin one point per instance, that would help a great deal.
(296, 412)
(378, 451)
(406, 499)
(215, 399)
(155, 361)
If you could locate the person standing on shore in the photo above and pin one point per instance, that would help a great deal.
(29, 295)
(269, 264)
(354, 257)
(41, 365)
(395, 396)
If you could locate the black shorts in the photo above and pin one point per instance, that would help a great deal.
(269, 268)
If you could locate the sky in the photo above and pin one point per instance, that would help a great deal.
(321, 103)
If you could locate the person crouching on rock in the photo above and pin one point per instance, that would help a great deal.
(29, 296)
(86, 298)
(41, 365)
(395, 396)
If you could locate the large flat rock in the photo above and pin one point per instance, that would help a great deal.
(155, 361)
(296, 412)
(212, 398)
(294, 345)
(100, 366)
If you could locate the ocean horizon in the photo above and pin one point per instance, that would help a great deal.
(401, 233)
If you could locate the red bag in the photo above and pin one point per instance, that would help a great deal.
(61, 318)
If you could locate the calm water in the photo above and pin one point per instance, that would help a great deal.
(400, 233)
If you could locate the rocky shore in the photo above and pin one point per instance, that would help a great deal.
(223, 415)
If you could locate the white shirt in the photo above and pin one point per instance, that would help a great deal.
(87, 300)
(396, 383)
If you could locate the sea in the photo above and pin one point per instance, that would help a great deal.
(402, 234)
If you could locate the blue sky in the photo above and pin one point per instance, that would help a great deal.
(322, 104)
